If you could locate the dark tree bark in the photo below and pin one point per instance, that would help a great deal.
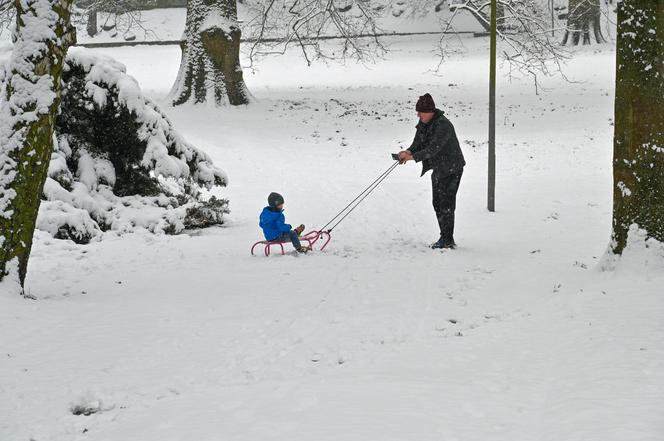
(638, 157)
(210, 71)
(91, 26)
(27, 119)
(583, 23)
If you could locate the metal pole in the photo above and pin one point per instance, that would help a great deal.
(491, 194)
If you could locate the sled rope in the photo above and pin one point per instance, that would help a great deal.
(352, 205)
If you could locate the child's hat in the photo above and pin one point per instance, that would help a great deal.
(275, 199)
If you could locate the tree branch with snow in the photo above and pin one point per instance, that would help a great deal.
(277, 25)
(525, 32)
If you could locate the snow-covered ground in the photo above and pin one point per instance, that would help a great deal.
(518, 335)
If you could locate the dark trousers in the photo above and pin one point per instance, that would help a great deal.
(445, 187)
(292, 236)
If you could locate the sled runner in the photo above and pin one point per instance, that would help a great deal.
(311, 238)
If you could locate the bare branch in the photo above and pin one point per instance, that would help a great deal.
(526, 33)
(276, 25)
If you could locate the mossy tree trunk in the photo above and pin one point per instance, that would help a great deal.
(638, 157)
(27, 118)
(583, 23)
(210, 71)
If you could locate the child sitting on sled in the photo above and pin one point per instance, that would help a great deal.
(275, 228)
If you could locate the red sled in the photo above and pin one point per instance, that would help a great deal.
(312, 238)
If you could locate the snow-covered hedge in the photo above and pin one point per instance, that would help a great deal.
(118, 163)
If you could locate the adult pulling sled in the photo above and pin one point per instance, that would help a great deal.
(324, 235)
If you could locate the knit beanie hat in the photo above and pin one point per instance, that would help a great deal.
(425, 104)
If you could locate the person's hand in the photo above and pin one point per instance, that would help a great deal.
(405, 156)
(299, 229)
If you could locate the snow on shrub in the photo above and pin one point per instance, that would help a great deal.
(118, 164)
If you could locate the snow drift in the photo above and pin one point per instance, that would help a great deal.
(642, 255)
(118, 164)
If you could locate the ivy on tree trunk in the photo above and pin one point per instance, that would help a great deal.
(210, 71)
(638, 156)
(27, 117)
(583, 23)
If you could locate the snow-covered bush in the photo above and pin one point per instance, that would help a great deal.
(118, 164)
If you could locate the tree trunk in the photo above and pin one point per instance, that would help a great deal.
(27, 117)
(583, 19)
(210, 70)
(638, 155)
(91, 26)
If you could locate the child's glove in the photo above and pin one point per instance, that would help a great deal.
(299, 229)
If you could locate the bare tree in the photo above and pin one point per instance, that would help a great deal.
(30, 104)
(210, 70)
(583, 18)
(277, 25)
(524, 30)
(638, 155)
(7, 14)
(481, 11)
(123, 15)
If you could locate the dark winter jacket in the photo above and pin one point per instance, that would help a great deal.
(437, 147)
(273, 223)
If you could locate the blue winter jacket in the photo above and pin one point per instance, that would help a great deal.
(273, 223)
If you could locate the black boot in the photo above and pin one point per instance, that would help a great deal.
(444, 244)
